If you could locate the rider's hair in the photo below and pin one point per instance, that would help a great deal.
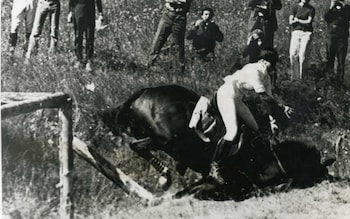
(269, 55)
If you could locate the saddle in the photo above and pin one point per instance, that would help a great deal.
(205, 122)
(202, 121)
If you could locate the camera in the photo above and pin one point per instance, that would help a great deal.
(262, 11)
(338, 5)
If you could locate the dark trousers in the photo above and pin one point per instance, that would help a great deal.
(84, 25)
(269, 34)
(337, 47)
(175, 24)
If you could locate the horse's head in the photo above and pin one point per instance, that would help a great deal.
(110, 118)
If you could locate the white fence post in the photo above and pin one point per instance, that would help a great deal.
(66, 160)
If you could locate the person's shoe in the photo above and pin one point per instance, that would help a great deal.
(151, 60)
(88, 66)
(11, 51)
(215, 173)
(182, 68)
(77, 65)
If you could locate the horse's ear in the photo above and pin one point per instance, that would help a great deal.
(328, 161)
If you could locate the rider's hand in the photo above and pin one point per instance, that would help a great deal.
(288, 111)
(273, 125)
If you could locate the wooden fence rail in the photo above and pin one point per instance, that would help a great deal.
(13, 104)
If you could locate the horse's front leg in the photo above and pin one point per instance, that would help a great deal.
(143, 148)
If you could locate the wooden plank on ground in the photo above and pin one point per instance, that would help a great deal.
(127, 184)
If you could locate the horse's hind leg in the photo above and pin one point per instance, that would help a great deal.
(142, 147)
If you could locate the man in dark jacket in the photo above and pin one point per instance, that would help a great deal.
(337, 18)
(204, 34)
(263, 17)
(173, 21)
(82, 14)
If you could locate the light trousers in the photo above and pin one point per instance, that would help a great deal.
(231, 106)
(298, 53)
(23, 10)
(44, 9)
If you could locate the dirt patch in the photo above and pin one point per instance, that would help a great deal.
(326, 200)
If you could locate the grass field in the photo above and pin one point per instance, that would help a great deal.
(29, 142)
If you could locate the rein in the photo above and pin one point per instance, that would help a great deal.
(273, 139)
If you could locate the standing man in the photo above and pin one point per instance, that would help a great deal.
(45, 8)
(204, 35)
(82, 14)
(263, 17)
(337, 18)
(300, 20)
(173, 21)
(21, 10)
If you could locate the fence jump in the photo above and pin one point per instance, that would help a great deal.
(13, 103)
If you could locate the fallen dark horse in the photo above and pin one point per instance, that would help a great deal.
(157, 118)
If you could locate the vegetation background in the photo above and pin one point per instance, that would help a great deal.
(29, 142)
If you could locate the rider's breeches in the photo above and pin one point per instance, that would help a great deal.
(230, 106)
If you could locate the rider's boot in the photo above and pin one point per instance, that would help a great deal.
(223, 150)
(215, 173)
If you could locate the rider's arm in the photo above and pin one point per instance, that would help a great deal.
(288, 111)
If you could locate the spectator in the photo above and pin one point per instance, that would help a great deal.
(337, 18)
(204, 35)
(263, 17)
(82, 14)
(45, 8)
(254, 46)
(21, 10)
(173, 21)
(301, 22)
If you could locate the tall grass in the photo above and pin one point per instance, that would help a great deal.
(29, 142)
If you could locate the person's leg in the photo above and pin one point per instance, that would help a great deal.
(40, 15)
(305, 42)
(341, 56)
(244, 113)
(269, 37)
(331, 53)
(30, 15)
(90, 34)
(293, 55)
(78, 23)
(17, 15)
(178, 32)
(161, 36)
(55, 10)
(228, 111)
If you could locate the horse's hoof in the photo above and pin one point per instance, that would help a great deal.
(165, 180)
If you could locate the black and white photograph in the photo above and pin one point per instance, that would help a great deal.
(175, 109)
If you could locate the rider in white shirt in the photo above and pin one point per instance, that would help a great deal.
(252, 77)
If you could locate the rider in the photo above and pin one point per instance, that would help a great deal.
(253, 76)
